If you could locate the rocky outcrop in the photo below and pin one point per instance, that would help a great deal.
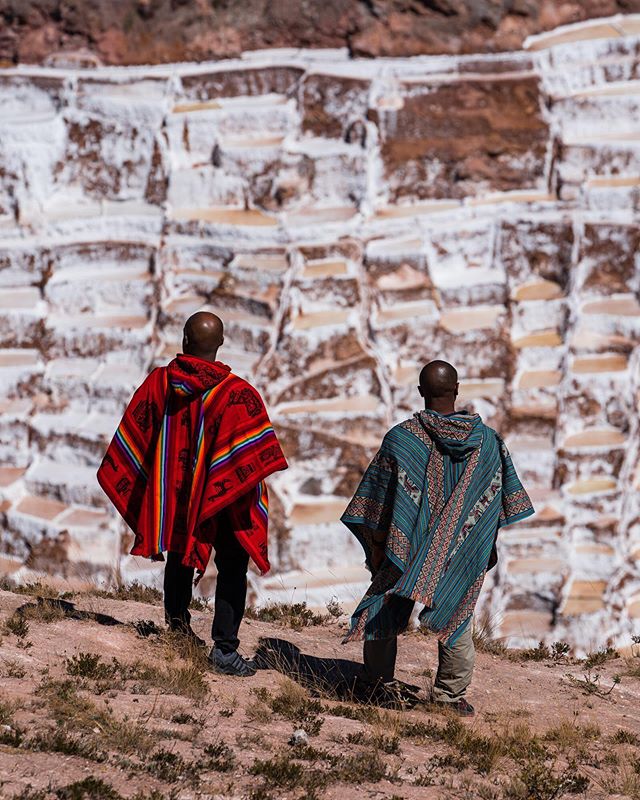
(350, 220)
(162, 31)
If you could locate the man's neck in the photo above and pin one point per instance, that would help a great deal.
(212, 357)
(441, 407)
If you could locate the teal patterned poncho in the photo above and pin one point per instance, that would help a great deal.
(440, 487)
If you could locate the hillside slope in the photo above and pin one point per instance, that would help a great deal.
(158, 31)
(90, 708)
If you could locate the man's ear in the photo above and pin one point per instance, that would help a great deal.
(457, 388)
(420, 391)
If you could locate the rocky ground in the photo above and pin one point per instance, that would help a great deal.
(94, 709)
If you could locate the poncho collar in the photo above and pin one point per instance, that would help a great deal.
(456, 435)
(189, 375)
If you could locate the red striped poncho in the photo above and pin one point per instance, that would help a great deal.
(194, 447)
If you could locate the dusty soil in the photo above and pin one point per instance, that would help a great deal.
(97, 723)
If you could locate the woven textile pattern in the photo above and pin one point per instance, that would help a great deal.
(194, 442)
(461, 475)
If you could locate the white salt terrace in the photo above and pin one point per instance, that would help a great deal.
(345, 243)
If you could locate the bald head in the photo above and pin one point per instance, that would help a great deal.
(203, 335)
(438, 384)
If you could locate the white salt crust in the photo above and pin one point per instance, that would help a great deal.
(333, 295)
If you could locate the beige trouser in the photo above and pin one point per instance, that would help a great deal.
(455, 665)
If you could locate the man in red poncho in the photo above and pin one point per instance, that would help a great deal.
(186, 470)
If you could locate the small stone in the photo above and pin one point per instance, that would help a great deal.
(298, 737)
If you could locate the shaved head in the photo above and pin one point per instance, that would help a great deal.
(203, 335)
(438, 382)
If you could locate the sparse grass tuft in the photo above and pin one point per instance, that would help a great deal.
(10, 734)
(321, 769)
(166, 766)
(219, 757)
(17, 625)
(6, 712)
(539, 653)
(569, 734)
(88, 789)
(632, 667)
(12, 669)
(29, 793)
(377, 741)
(12, 737)
(90, 665)
(258, 710)
(290, 615)
(183, 679)
(484, 639)
(293, 702)
(35, 588)
(623, 736)
(366, 767)
(599, 657)
(98, 725)
(58, 741)
(536, 781)
(134, 591)
(200, 604)
(360, 713)
(334, 608)
(93, 789)
(45, 610)
(182, 718)
(279, 771)
(560, 650)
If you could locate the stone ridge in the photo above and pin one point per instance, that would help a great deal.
(349, 220)
(130, 32)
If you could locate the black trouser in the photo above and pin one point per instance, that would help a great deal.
(231, 560)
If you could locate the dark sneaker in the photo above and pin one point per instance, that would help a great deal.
(231, 663)
(460, 707)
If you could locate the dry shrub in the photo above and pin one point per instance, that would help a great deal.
(484, 638)
(290, 615)
(186, 679)
(623, 736)
(71, 710)
(135, 592)
(600, 657)
(12, 669)
(36, 588)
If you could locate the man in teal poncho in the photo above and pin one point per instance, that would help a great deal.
(427, 513)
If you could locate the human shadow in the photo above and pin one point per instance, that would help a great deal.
(337, 678)
(67, 610)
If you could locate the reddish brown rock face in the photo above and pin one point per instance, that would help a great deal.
(160, 31)
(451, 140)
